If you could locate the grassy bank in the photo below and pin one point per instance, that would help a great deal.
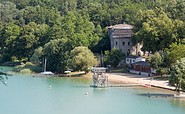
(28, 68)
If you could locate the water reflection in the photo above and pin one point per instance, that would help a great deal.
(178, 102)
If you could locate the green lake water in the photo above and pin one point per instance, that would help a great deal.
(33, 95)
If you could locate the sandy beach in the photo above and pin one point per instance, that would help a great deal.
(138, 79)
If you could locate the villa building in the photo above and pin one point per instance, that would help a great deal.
(120, 38)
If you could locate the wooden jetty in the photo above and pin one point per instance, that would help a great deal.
(125, 85)
(155, 95)
(119, 85)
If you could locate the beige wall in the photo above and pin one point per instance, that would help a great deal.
(123, 47)
(119, 45)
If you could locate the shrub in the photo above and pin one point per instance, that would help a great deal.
(25, 71)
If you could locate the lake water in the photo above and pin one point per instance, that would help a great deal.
(33, 95)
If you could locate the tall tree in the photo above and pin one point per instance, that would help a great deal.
(174, 8)
(8, 11)
(27, 42)
(9, 34)
(174, 53)
(82, 59)
(158, 31)
(177, 76)
(113, 58)
(79, 30)
(36, 57)
(8, 38)
(57, 54)
(156, 60)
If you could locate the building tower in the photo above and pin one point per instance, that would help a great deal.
(120, 38)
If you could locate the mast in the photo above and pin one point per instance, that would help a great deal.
(45, 60)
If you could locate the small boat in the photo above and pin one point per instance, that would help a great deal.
(67, 71)
(47, 73)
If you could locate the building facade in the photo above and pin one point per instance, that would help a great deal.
(120, 38)
(133, 59)
(141, 68)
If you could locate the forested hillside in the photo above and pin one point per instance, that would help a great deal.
(33, 29)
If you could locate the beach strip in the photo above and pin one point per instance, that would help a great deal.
(139, 79)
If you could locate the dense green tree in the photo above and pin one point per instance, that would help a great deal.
(96, 12)
(174, 8)
(9, 34)
(179, 31)
(177, 76)
(27, 24)
(174, 53)
(103, 44)
(55, 32)
(130, 11)
(8, 11)
(113, 58)
(36, 57)
(27, 42)
(158, 31)
(21, 3)
(82, 59)
(41, 15)
(155, 60)
(41, 33)
(79, 30)
(57, 54)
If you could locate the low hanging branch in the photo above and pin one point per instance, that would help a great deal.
(3, 77)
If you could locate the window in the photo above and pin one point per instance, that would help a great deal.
(127, 59)
(128, 52)
(133, 61)
(116, 43)
(123, 43)
(128, 43)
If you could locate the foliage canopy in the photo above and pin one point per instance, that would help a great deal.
(82, 59)
(58, 26)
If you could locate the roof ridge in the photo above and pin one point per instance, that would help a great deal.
(121, 26)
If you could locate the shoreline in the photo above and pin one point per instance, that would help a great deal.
(119, 79)
(126, 78)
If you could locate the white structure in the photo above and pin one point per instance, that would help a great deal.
(120, 38)
(100, 79)
(47, 73)
(132, 59)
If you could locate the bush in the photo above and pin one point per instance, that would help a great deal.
(28, 65)
(25, 71)
(163, 71)
(82, 59)
(113, 58)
